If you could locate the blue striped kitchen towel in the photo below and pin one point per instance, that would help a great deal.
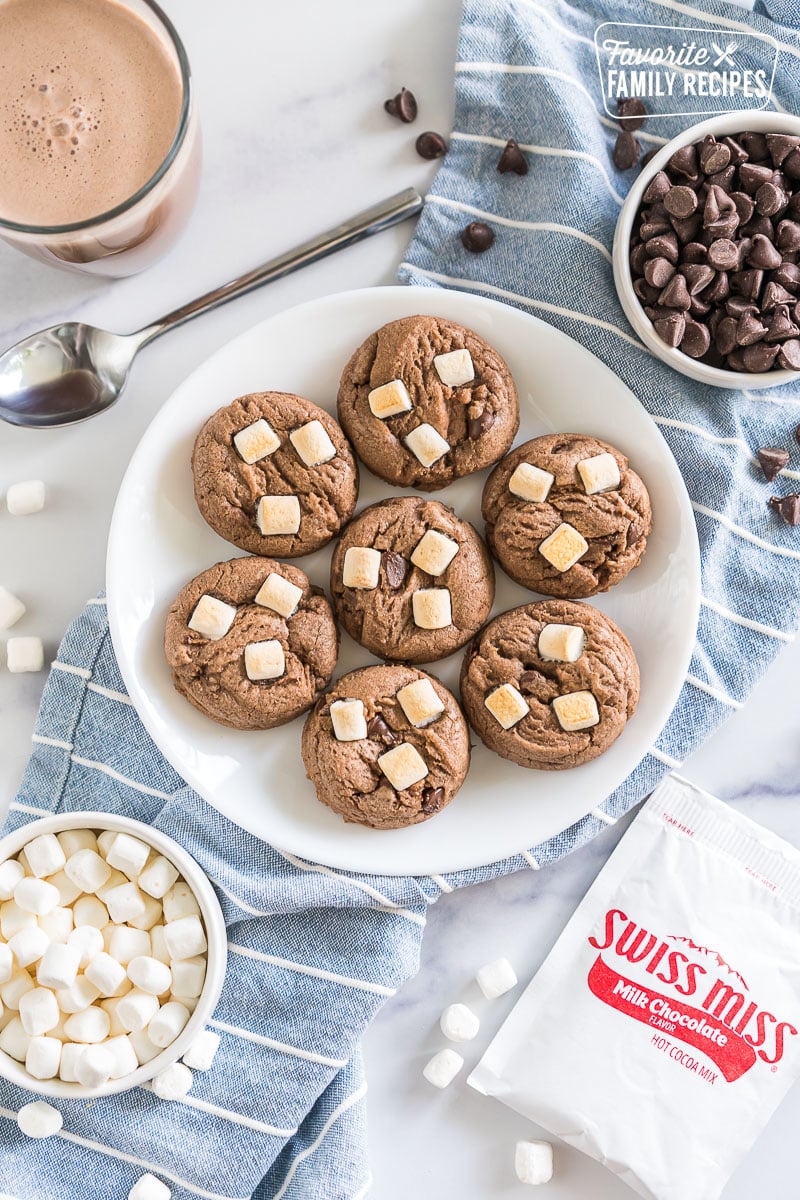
(315, 952)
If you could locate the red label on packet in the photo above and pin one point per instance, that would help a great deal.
(666, 1017)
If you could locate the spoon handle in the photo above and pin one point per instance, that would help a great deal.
(381, 216)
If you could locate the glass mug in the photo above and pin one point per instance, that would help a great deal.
(133, 234)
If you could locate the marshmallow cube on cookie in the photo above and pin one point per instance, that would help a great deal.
(432, 608)
(403, 766)
(507, 705)
(434, 552)
(531, 483)
(278, 515)
(455, 368)
(256, 441)
(361, 567)
(212, 617)
(279, 594)
(389, 399)
(264, 660)
(576, 711)
(564, 547)
(348, 720)
(561, 643)
(313, 444)
(420, 703)
(600, 473)
(426, 444)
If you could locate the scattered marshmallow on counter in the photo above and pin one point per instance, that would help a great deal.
(24, 654)
(200, 1054)
(147, 1187)
(533, 1162)
(459, 1023)
(39, 1120)
(442, 1069)
(496, 978)
(11, 609)
(25, 498)
(174, 1083)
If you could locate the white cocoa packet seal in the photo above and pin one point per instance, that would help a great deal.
(661, 1032)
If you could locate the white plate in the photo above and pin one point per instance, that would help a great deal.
(159, 541)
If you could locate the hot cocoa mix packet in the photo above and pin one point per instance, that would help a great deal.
(661, 1032)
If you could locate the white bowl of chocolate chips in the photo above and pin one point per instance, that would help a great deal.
(707, 251)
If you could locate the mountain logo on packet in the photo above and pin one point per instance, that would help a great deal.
(650, 978)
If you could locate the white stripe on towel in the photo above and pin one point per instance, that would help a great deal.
(545, 226)
(225, 1114)
(337, 1112)
(442, 883)
(48, 741)
(281, 1047)
(363, 985)
(716, 693)
(29, 808)
(71, 669)
(547, 151)
(319, 869)
(767, 630)
(603, 816)
(667, 759)
(106, 770)
(744, 533)
(109, 693)
(533, 863)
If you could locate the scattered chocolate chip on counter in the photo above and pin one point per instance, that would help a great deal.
(772, 459)
(626, 151)
(403, 106)
(430, 145)
(631, 112)
(787, 507)
(512, 159)
(477, 237)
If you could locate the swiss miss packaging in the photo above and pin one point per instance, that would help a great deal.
(661, 1031)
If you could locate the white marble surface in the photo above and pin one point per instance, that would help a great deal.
(295, 137)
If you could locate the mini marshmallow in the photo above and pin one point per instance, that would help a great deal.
(144, 1049)
(188, 976)
(87, 870)
(38, 1011)
(10, 874)
(94, 1066)
(115, 879)
(312, 443)
(279, 594)
(89, 942)
(403, 766)
(158, 946)
(29, 945)
(123, 1054)
(426, 444)
(23, 862)
(73, 840)
(68, 892)
(6, 963)
(24, 654)
(264, 660)
(128, 854)
(151, 916)
(533, 1162)
(389, 399)
(59, 966)
(563, 547)
(89, 1026)
(57, 924)
(167, 1023)
(576, 710)
(136, 1010)
(78, 996)
(14, 1041)
(600, 473)
(174, 1083)
(36, 896)
(124, 903)
(71, 1053)
(212, 617)
(11, 609)
(150, 975)
(105, 841)
(185, 937)
(507, 705)
(180, 901)
(455, 368)
(110, 1005)
(200, 1054)
(434, 552)
(158, 877)
(17, 986)
(126, 943)
(531, 483)
(105, 973)
(459, 1023)
(147, 1187)
(25, 498)
(13, 919)
(496, 978)
(442, 1069)
(256, 441)
(420, 703)
(561, 643)
(349, 721)
(278, 515)
(361, 567)
(43, 1058)
(39, 1120)
(44, 855)
(188, 1002)
(432, 608)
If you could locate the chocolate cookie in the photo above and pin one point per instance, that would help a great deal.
(550, 685)
(251, 643)
(274, 474)
(388, 746)
(566, 516)
(410, 580)
(425, 401)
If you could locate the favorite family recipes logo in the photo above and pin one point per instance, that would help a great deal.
(689, 996)
(684, 71)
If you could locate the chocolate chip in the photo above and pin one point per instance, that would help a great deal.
(657, 188)
(750, 330)
(477, 237)
(684, 162)
(788, 276)
(745, 206)
(675, 294)
(764, 254)
(774, 295)
(478, 426)
(695, 252)
(626, 151)
(658, 272)
(772, 459)
(770, 199)
(432, 799)
(787, 507)
(723, 179)
(781, 327)
(723, 254)
(634, 534)
(759, 358)
(663, 245)
(714, 156)
(430, 145)
(380, 731)
(638, 257)
(738, 153)
(670, 329)
(631, 112)
(725, 335)
(789, 359)
(752, 177)
(395, 569)
(403, 106)
(791, 165)
(719, 289)
(788, 236)
(755, 144)
(747, 283)
(696, 338)
(780, 145)
(697, 276)
(646, 292)
(680, 201)
(529, 681)
(512, 159)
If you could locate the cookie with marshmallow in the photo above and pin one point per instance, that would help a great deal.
(269, 663)
(562, 690)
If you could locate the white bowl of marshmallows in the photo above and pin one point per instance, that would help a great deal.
(112, 954)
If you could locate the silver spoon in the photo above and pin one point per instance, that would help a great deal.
(73, 371)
